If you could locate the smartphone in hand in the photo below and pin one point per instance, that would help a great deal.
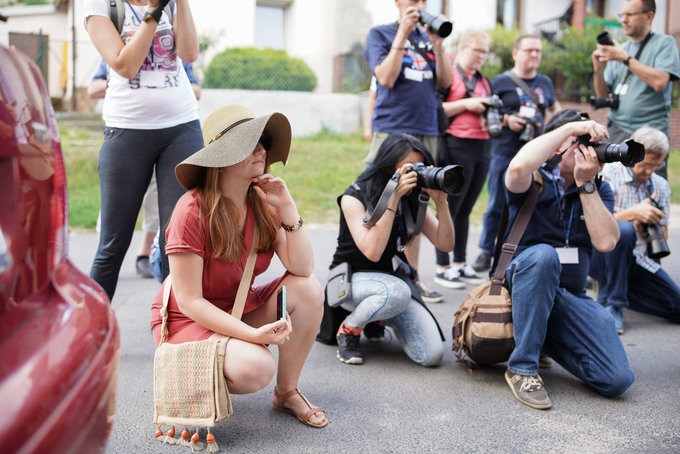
(281, 303)
(281, 306)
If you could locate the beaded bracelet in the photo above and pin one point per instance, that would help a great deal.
(294, 227)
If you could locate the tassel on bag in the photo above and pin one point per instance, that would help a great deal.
(170, 436)
(184, 439)
(195, 444)
(159, 432)
(212, 444)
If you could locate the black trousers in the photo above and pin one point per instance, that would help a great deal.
(474, 155)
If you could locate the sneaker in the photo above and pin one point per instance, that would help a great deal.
(375, 332)
(467, 274)
(143, 266)
(348, 345)
(482, 263)
(529, 390)
(449, 278)
(617, 313)
(428, 295)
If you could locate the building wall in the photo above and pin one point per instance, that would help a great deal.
(34, 19)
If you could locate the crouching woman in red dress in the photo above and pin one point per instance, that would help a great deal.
(208, 241)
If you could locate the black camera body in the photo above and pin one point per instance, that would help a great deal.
(529, 130)
(493, 115)
(627, 153)
(657, 247)
(449, 179)
(611, 101)
(438, 25)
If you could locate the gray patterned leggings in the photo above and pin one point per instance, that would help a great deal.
(386, 298)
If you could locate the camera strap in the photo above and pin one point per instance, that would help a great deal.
(637, 57)
(523, 85)
(376, 213)
(425, 56)
(414, 225)
(470, 85)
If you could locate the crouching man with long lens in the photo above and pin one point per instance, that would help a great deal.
(547, 276)
(631, 276)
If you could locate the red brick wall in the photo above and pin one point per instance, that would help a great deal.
(600, 115)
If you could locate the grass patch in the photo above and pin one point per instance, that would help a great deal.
(319, 169)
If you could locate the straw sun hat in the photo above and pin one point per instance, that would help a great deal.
(231, 134)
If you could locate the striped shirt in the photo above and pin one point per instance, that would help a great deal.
(628, 191)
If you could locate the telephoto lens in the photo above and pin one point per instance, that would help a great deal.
(438, 25)
(627, 153)
(605, 39)
(449, 179)
(657, 247)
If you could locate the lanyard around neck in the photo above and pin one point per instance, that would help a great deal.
(567, 228)
(139, 21)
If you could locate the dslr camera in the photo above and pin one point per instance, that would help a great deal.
(449, 179)
(493, 115)
(529, 130)
(438, 25)
(611, 101)
(627, 153)
(657, 247)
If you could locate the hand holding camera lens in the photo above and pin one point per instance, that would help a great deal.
(657, 247)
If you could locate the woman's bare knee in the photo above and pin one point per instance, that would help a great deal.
(248, 367)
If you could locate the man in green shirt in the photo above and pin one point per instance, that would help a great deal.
(641, 80)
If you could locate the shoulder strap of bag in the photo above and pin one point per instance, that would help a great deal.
(510, 246)
(241, 293)
(523, 85)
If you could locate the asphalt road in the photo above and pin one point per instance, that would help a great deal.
(390, 404)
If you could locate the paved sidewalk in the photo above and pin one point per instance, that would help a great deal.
(389, 404)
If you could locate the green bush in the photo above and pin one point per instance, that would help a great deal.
(258, 69)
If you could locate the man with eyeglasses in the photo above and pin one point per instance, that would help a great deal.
(627, 276)
(639, 72)
(524, 110)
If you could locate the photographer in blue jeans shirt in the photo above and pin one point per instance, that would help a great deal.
(547, 276)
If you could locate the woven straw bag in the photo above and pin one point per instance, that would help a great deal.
(189, 385)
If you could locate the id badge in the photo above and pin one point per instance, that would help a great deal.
(527, 112)
(621, 89)
(412, 74)
(567, 255)
(152, 78)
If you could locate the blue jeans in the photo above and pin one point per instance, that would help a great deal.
(383, 297)
(575, 331)
(624, 283)
(127, 159)
(494, 208)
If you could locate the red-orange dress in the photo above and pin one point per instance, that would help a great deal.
(220, 278)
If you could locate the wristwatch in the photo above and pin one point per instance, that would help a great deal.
(627, 60)
(588, 187)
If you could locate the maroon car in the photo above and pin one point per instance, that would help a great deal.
(59, 339)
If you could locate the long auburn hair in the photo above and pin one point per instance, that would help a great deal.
(225, 241)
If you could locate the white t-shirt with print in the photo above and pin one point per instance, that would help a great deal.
(160, 95)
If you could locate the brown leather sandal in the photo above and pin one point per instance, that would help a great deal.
(305, 419)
